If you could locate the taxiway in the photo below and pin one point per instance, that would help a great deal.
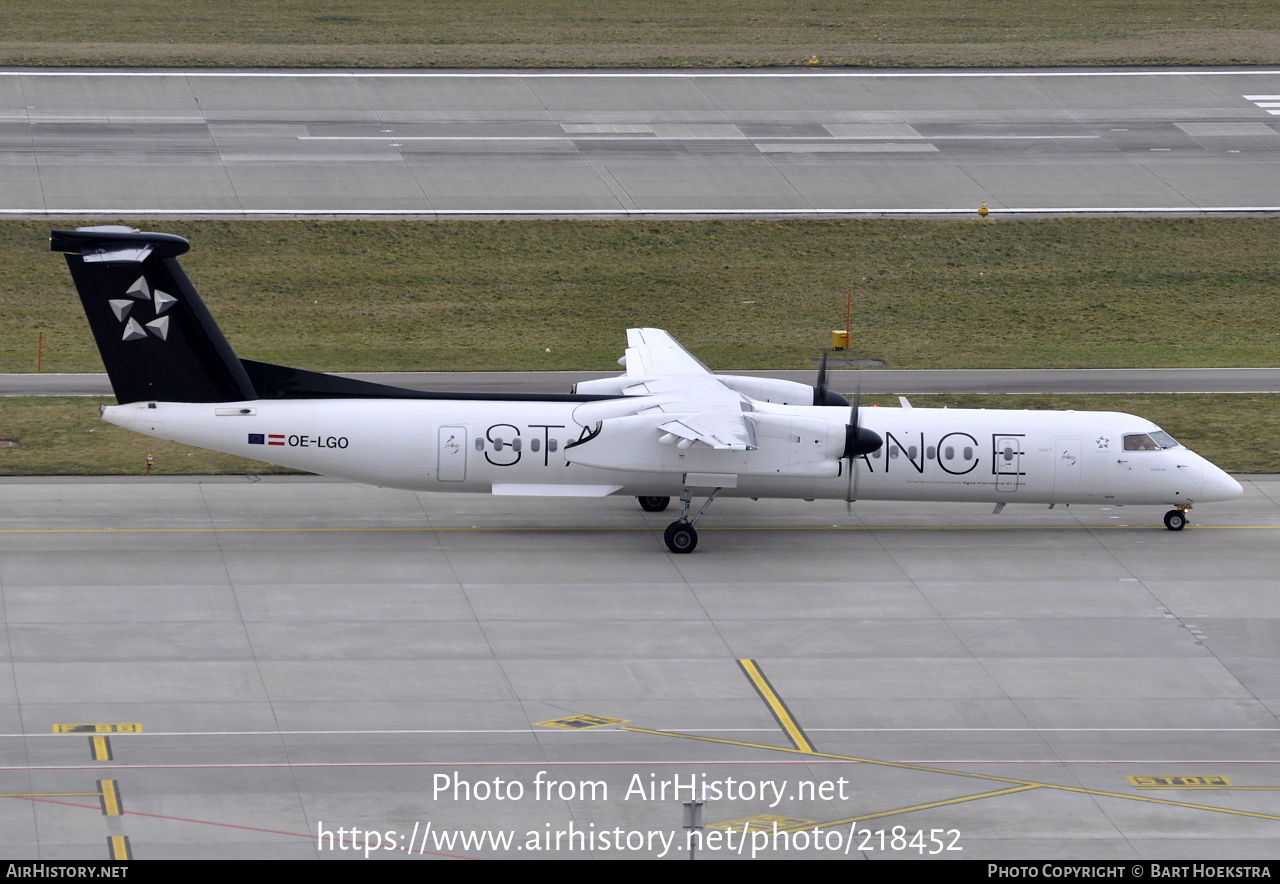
(225, 668)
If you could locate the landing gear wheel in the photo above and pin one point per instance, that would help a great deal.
(1175, 520)
(680, 537)
(653, 504)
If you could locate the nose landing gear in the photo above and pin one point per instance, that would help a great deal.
(1176, 520)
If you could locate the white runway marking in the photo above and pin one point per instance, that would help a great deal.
(658, 137)
(1265, 101)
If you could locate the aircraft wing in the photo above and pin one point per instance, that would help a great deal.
(702, 408)
(652, 352)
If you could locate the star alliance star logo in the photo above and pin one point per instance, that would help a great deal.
(138, 293)
(1103, 442)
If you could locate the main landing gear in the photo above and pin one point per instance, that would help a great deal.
(653, 504)
(1176, 520)
(680, 535)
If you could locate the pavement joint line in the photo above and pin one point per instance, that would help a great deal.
(959, 773)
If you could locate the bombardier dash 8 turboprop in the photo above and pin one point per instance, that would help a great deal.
(666, 428)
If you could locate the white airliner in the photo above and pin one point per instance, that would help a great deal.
(666, 428)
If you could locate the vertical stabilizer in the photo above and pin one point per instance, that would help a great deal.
(157, 339)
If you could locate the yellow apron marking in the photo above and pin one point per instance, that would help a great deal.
(901, 765)
(946, 801)
(581, 722)
(779, 709)
(118, 847)
(100, 748)
(97, 728)
(766, 822)
(1185, 783)
(110, 795)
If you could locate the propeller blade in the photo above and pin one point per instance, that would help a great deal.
(821, 395)
(859, 440)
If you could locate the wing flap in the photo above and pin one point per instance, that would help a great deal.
(720, 431)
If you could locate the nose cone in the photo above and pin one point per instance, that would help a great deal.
(1217, 485)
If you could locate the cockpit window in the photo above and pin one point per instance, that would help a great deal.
(1153, 441)
(1140, 442)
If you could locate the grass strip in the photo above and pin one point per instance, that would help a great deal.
(558, 295)
(633, 33)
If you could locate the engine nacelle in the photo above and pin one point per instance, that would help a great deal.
(614, 386)
(778, 391)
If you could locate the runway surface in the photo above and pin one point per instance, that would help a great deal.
(638, 143)
(1119, 380)
(240, 666)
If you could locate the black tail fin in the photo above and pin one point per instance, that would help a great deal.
(157, 339)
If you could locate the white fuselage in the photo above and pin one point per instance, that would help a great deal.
(520, 448)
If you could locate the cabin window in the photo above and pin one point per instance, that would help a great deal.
(893, 452)
(535, 444)
(515, 444)
(1008, 455)
(968, 452)
(551, 445)
(950, 452)
(912, 451)
(930, 452)
(479, 444)
(876, 453)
